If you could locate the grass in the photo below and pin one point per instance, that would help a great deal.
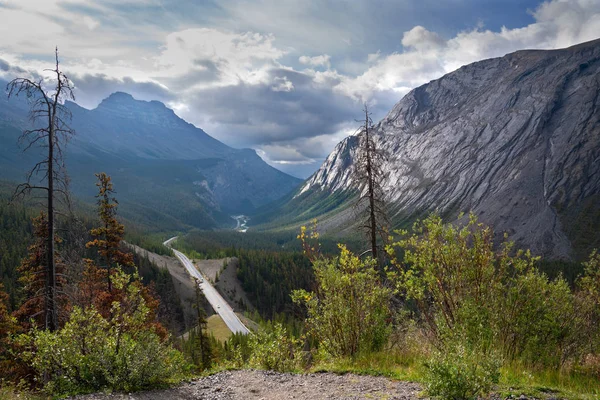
(549, 383)
(515, 379)
(11, 393)
(389, 364)
(217, 327)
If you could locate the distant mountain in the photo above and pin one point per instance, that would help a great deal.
(514, 139)
(168, 173)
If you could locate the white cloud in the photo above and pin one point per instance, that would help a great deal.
(316, 61)
(245, 57)
(282, 84)
(558, 23)
(254, 83)
(90, 22)
(372, 57)
(420, 39)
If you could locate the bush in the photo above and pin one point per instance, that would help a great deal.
(273, 349)
(461, 374)
(89, 354)
(491, 300)
(349, 311)
(588, 303)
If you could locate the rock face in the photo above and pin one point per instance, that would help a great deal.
(514, 139)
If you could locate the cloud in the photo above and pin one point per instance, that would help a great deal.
(323, 60)
(91, 89)
(420, 39)
(428, 56)
(4, 66)
(287, 79)
(244, 57)
(90, 22)
(282, 84)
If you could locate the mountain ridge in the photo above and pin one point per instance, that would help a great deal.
(150, 151)
(514, 139)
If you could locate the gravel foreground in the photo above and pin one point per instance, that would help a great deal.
(268, 385)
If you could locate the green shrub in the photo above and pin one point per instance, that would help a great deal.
(461, 374)
(89, 355)
(349, 311)
(588, 304)
(273, 349)
(491, 300)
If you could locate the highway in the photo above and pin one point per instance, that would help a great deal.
(217, 302)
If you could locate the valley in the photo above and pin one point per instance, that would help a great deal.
(448, 248)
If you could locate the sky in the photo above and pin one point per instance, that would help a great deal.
(286, 78)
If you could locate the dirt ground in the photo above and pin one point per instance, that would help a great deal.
(267, 385)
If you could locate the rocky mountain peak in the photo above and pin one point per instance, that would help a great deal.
(124, 105)
(515, 139)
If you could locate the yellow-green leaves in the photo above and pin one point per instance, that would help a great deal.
(349, 311)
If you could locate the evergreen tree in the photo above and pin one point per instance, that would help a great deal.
(8, 326)
(34, 277)
(201, 346)
(369, 176)
(49, 108)
(108, 237)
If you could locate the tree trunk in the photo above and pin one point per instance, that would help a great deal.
(51, 318)
(371, 189)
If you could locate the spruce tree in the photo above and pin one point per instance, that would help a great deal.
(108, 237)
(201, 343)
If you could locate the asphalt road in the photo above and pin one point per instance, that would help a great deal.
(217, 302)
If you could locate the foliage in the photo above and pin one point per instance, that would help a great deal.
(108, 236)
(274, 349)
(311, 247)
(459, 373)
(588, 302)
(34, 276)
(8, 327)
(270, 277)
(465, 290)
(201, 346)
(93, 352)
(349, 310)
(15, 237)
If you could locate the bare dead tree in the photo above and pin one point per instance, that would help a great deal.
(50, 120)
(368, 179)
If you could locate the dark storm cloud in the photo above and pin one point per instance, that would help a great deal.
(4, 66)
(202, 71)
(91, 89)
(251, 115)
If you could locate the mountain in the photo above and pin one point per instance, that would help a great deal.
(168, 173)
(514, 139)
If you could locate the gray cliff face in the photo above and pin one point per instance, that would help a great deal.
(515, 139)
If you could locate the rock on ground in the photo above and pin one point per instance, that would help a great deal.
(268, 385)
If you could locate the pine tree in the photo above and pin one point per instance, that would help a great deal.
(201, 342)
(47, 107)
(34, 277)
(8, 326)
(96, 287)
(108, 237)
(369, 177)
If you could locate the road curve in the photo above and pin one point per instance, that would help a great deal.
(217, 302)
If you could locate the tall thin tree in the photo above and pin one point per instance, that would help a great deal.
(369, 176)
(108, 237)
(47, 107)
